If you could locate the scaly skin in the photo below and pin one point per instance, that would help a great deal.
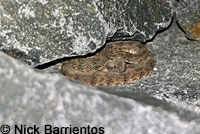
(119, 62)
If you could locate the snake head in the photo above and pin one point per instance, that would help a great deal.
(117, 66)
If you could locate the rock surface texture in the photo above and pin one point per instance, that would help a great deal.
(167, 101)
(29, 97)
(188, 17)
(37, 32)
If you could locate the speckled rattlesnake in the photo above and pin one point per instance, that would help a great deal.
(118, 63)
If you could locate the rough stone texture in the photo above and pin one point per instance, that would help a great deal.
(176, 74)
(156, 104)
(188, 17)
(28, 97)
(137, 20)
(40, 31)
(37, 32)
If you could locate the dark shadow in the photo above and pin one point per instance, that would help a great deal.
(179, 26)
(161, 30)
(54, 62)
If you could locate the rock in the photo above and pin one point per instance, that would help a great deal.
(28, 97)
(139, 19)
(188, 17)
(38, 32)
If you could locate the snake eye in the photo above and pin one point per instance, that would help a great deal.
(127, 62)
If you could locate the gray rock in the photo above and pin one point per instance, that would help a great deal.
(138, 20)
(37, 32)
(40, 31)
(28, 97)
(188, 17)
(158, 103)
(175, 77)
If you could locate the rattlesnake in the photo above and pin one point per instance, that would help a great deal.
(118, 63)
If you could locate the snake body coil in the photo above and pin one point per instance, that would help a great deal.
(119, 62)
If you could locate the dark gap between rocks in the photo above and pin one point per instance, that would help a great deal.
(162, 30)
(54, 62)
